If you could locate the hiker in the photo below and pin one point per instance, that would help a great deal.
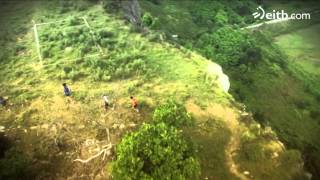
(3, 102)
(66, 90)
(106, 102)
(134, 103)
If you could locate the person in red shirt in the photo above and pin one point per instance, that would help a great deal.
(134, 103)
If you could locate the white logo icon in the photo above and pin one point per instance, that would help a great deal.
(257, 14)
(279, 15)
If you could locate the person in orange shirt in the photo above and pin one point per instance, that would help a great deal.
(134, 103)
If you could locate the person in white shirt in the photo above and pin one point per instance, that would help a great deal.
(106, 102)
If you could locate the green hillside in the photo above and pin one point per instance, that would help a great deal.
(188, 125)
(274, 76)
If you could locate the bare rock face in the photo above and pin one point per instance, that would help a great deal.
(132, 11)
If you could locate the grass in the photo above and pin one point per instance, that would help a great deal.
(54, 130)
(301, 47)
(280, 97)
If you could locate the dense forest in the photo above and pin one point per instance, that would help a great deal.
(159, 89)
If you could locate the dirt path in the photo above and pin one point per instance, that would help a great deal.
(232, 148)
(231, 119)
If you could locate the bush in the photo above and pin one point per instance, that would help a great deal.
(147, 19)
(67, 69)
(105, 34)
(155, 152)
(173, 114)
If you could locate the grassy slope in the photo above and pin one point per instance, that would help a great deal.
(275, 97)
(49, 131)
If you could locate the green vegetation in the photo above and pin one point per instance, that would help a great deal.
(278, 90)
(201, 132)
(229, 47)
(172, 114)
(155, 152)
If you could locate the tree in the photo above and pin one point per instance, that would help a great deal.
(173, 114)
(155, 151)
(230, 47)
(221, 17)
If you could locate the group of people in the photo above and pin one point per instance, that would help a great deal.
(105, 98)
(67, 92)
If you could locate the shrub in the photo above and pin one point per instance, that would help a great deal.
(155, 152)
(105, 34)
(147, 19)
(67, 69)
(173, 114)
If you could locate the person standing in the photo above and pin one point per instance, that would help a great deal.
(66, 90)
(3, 102)
(106, 102)
(134, 103)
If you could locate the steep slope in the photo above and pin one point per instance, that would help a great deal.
(47, 131)
(274, 89)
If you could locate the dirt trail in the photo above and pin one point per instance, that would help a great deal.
(231, 117)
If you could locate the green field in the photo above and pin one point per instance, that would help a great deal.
(302, 47)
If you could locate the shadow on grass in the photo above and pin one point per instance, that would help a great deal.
(212, 137)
